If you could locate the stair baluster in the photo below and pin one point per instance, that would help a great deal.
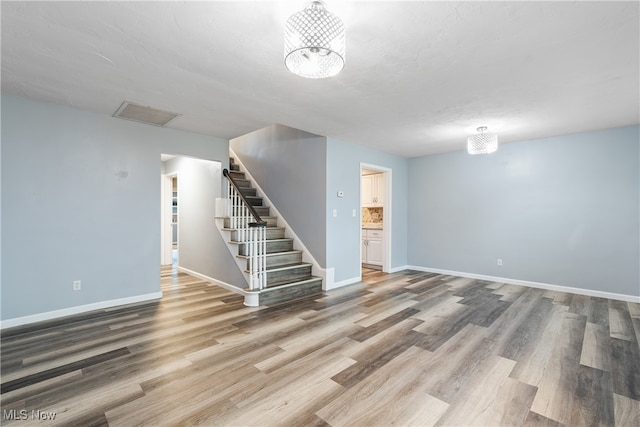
(251, 231)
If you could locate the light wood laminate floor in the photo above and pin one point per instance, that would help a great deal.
(408, 348)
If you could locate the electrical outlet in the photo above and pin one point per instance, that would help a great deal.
(335, 213)
(77, 285)
(499, 262)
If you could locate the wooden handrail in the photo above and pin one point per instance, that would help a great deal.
(259, 222)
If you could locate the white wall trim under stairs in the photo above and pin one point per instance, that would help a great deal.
(345, 282)
(316, 270)
(248, 295)
(55, 314)
(538, 285)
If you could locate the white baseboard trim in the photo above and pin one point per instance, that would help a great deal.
(345, 283)
(328, 282)
(55, 314)
(213, 281)
(547, 286)
(396, 269)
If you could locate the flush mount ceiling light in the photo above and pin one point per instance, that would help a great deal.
(482, 143)
(314, 42)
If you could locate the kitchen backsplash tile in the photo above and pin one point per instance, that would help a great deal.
(371, 215)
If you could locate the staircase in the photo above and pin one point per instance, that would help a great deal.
(287, 276)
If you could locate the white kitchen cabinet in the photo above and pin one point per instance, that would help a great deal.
(372, 246)
(374, 251)
(378, 189)
(366, 190)
(372, 189)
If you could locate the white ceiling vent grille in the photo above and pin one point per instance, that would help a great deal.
(143, 114)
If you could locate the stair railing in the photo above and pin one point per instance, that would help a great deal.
(251, 231)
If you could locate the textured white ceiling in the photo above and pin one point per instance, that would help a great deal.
(419, 77)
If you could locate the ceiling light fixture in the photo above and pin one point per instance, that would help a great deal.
(482, 143)
(314, 42)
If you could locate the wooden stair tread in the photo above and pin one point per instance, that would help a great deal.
(283, 267)
(287, 266)
(294, 251)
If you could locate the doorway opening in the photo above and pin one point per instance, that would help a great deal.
(174, 221)
(169, 218)
(375, 218)
(191, 240)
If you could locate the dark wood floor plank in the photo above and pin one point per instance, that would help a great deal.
(533, 315)
(636, 326)
(620, 322)
(560, 298)
(478, 359)
(488, 313)
(537, 359)
(375, 355)
(426, 298)
(40, 387)
(380, 326)
(440, 366)
(61, 370)
(443, 329)
(580, 304)
(593, 403)
(595, 347)
(599, 312)
(625, 368)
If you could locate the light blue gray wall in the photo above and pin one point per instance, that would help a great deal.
(290, 166)
(201, 247)
(343, 231)
(562, 211)
(81, 201)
